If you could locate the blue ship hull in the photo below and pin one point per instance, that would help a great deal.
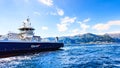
(25, 47)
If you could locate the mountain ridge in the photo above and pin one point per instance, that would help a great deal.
(89, 38)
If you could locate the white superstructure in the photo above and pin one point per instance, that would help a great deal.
(26, 33)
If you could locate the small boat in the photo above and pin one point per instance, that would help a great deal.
(25, 41)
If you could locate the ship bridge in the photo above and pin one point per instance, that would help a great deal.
(26, 30)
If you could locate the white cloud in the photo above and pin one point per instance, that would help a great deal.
(68, 20)
(117, 22)
(102, 27)
(108, 32)
(86, 20)
(46, 2)
(65, 22)
(44, 28)
(60, 12)
(75, 32)
(62, 27)
(84, 27)
(37, 13)
(113, 32)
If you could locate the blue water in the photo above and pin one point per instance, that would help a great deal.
(71, 56)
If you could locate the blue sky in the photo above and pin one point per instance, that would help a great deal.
(53, 18)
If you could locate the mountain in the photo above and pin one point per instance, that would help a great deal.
(115, 35)
(89, 38)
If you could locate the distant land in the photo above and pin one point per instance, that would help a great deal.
(89, 38)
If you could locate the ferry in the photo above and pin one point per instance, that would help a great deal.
(25, 41)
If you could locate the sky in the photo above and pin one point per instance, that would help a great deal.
(53, 18)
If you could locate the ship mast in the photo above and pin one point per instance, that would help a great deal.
(26, 31)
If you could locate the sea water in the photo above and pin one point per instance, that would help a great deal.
(70, 56)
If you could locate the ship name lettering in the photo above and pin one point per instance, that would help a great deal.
(34, 46)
